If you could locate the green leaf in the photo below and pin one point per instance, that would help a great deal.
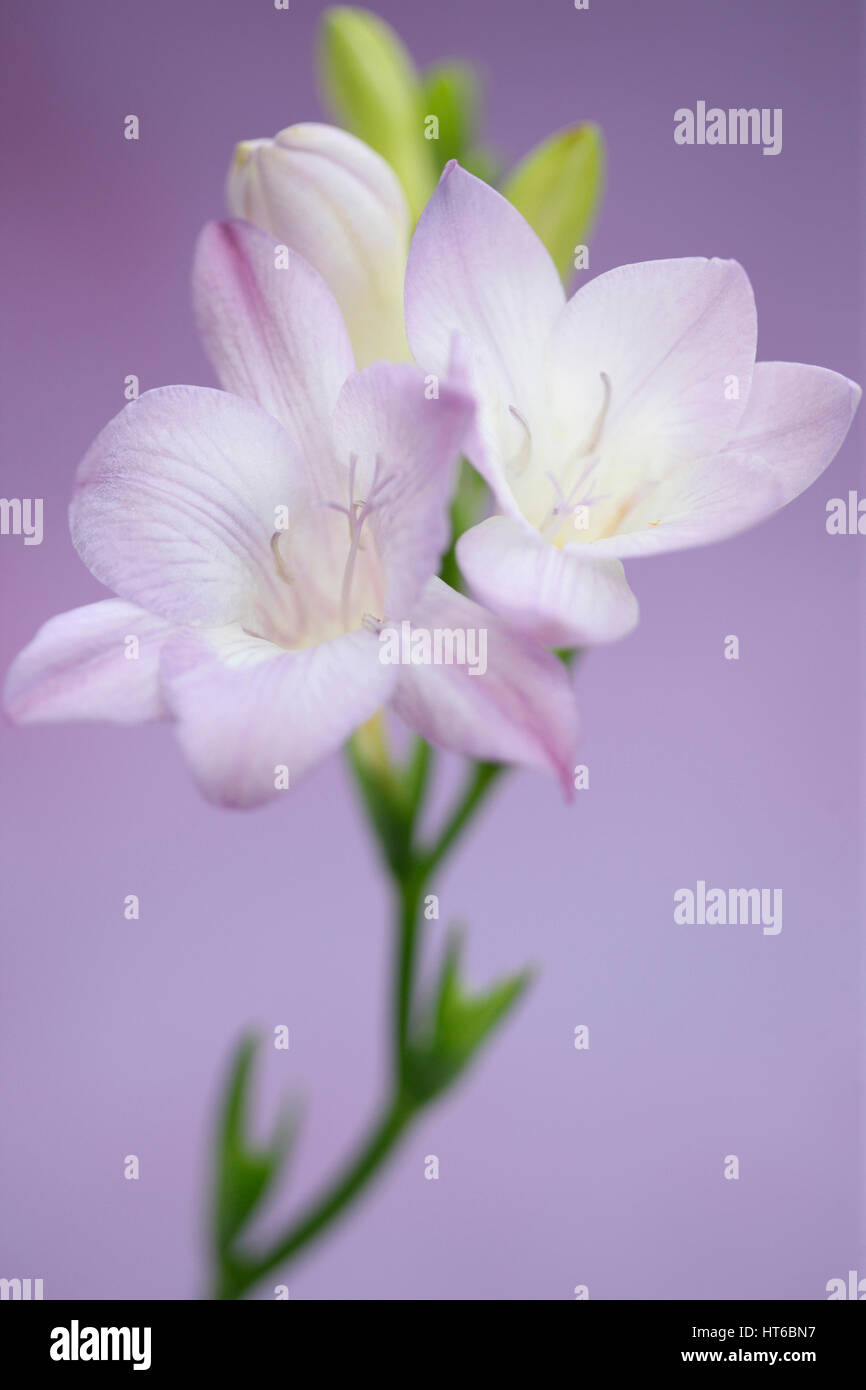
(464, 1021)
(458, 1024)
(452, 94)
(244, 1174)
(558, 187)
(373, 88)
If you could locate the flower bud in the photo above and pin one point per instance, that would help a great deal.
(558, 187)
(333, 200)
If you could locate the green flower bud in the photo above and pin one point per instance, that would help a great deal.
(557, 187)
(372, 86)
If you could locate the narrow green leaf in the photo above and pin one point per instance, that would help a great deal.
(244, 1174)
(447, 997)
(558, 187)
(373, 88)
(469, 1020)
(458, 1024)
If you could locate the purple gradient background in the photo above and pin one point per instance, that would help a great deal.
(557, 1167)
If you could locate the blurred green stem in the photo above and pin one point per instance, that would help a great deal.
(394, 798)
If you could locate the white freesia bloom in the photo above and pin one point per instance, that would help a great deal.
(630, 420)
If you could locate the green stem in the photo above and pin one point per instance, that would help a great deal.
(410, 891)
(478, 783)
(410, 869)
(243, 1273)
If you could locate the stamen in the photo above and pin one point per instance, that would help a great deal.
(602, 416)
(570, 503)
(357, 514)
(349, 571)
(352, 512)
(518, 465)
(562, 505)
(278, 559)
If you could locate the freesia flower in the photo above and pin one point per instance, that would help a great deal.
(330, 197)
(630, 420)
(257, 537)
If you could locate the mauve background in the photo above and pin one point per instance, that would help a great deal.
(557, 1167)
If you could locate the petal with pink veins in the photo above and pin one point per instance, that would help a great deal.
(84, 665)
(519, 709)
(273, 332)
(479, 276)
(795, 421)
(564, 597)
(175, 506)
(246, 709)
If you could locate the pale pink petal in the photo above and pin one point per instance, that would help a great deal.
(564, 597)
(478, 276)
(795, 421)
(272, 330)
(499, 440)
(676, 342)
(176, 503)
(98, 662)
(246, 709)
(519, 708)
(698, 503)
(405, 447)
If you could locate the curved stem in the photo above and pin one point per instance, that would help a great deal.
(478, 783)
(410, 868)
(358, 1171)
